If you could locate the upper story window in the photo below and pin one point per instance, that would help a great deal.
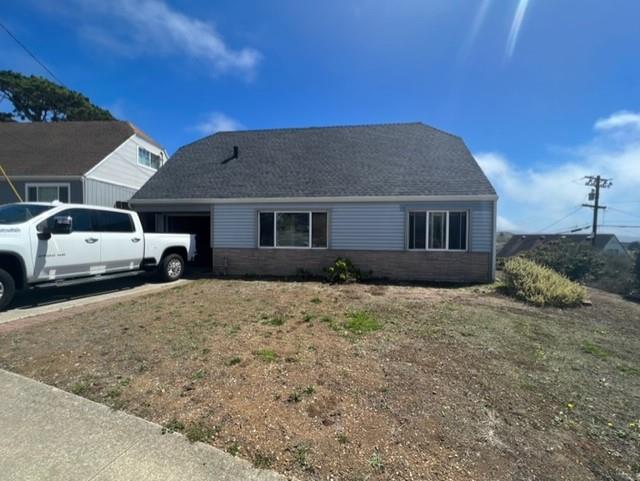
(438, 230)
(300, 230)
(46, 192)
(149, 159)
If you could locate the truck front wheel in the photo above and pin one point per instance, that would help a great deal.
(172, 267)
(7, 289)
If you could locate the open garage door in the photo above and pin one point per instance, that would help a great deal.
(198, 224)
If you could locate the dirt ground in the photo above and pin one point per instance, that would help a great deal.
(362, 382)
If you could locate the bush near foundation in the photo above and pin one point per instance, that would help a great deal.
(343, 270)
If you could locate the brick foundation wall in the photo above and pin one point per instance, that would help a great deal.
(396, 265)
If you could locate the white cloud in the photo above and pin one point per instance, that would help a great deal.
(622, 118)
(505, 224)
(134, 28)
(516, 25)
(217, 122)
(534, 197)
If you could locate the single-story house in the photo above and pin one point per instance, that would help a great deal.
(98, 162)
(402, 201)
(519, 243)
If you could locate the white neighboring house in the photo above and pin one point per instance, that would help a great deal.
(99, 162)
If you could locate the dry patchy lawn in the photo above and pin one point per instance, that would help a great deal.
(362, 381)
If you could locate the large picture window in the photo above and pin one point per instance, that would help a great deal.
(438, 230)
(47, 192)
(301, 230)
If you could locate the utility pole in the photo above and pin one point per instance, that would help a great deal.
(597, 183)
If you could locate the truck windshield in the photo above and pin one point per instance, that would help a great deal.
(18, 213)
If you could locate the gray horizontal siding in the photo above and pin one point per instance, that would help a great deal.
(7, 196)
(353, 226)
(106, 194)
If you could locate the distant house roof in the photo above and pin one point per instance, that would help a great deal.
(60, 148)
(409, 159)
(521, 243)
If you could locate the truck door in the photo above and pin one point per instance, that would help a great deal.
(71, 254)
(122, 242)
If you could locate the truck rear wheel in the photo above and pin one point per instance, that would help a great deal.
(172, 267)
(7, 289)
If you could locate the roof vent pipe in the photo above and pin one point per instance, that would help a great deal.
(235, 151)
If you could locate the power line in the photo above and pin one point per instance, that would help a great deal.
(560, 220)
(621, 226)
(31, 54)
(576, 228)
(624, 212)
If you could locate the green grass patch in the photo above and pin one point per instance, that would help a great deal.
(301, 455)
(267, 355)
(79, 388)
(594, 350)
(233, 449)
(274, 321)
(199, 374)
(262, 460)
(316, 300)
(232, 361)
(361, 322)
(173, 426)
(200, 432)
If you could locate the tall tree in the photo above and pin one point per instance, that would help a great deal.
(37, 99)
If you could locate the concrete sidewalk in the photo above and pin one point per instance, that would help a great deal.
(49, 434)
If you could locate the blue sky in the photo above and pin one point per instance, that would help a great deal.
(542, 92)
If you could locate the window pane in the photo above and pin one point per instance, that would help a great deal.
(143, 156)
(32, 194)
(292, 230)
(266, 229)
(458, 230)
(114, 222)
(63, 194)
(155, 161)
(417, 230)
(47, 193)
(436, 230)
(319, 232)
(82, 221)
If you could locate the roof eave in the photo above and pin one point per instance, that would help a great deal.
(262, 200)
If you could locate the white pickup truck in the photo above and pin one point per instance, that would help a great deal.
(54, 244)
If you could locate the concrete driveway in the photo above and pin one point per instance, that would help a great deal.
(37, 302)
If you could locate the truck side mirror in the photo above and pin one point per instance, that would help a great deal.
(62, 224)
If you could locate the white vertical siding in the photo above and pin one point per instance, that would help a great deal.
(105, 194)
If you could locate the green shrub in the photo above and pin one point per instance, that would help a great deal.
(577, 261)
(343, 270)
(540, 285)
(636, 269)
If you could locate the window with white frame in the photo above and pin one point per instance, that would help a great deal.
(438, 230)
(293, 230)
(47, 192)
(149, 159)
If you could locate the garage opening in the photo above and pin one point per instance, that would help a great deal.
(198, 224)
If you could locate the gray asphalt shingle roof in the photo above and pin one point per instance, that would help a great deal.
(60, 148)
(526, 242)
(372, 160)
